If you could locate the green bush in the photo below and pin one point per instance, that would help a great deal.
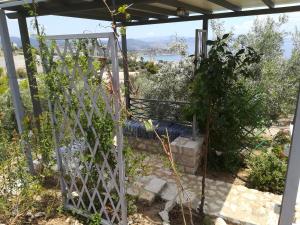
(223, 98)
(151, 67)
(267, 173)
(281, 138)
(3, 84)
(21, 73)
(1, 71)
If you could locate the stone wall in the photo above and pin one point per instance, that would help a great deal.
(147, 145)
(186, 152)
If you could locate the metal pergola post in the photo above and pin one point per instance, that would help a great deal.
(205, 36)
(30, 68)
(125, 70)
(13, 84)
(293, 174)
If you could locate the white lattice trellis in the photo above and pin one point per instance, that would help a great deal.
(84, 100)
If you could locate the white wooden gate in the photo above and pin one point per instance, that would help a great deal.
(84, 100)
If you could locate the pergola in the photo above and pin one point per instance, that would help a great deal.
(144, 12)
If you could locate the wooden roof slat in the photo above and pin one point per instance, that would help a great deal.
(136, 12)
(226, 5)
(255, 12)
(269, 3)
(188, 7)
(154, 9)
(100, 16)
(142, 10)
(85, 16)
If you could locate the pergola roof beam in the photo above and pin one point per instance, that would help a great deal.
(255, 12)
(17, 3)
(154, 9)
(269, 3)
(186, 6)
(135, 12)
(100, 16)
(226, 5)
(85, 16)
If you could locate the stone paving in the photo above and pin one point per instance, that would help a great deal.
(235, 203)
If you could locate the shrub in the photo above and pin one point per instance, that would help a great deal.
(281, 138)
(3, 84)
(280, 142)
(222, 98)
(1, 71)
(267, 172)
(21, 73)
(151, 67)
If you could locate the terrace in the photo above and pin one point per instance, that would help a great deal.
(143, 12)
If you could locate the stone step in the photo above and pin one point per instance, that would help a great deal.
(152, 189)
(169, 192)
(155, 185)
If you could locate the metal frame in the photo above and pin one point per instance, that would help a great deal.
(289, 195)
(64, 117)
(144, 11)
(254, 12)
(269, 3)
(126, 71)
(14, 86)
(226, 5)
(30, 68)
(287, 211)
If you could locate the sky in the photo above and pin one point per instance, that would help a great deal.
(66, 25)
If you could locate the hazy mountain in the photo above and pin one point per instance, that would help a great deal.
(160, 42)
(17, 40)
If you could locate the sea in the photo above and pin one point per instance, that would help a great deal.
(162, 57)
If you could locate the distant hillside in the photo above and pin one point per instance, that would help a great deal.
(18, 41)
(159, 43)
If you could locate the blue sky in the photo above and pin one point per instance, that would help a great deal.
(65, 25)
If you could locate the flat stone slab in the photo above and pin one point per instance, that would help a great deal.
(186, 197)
(169, 192)
(147, 196)
(155, 185)
(234, 203)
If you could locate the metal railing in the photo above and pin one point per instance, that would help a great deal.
(163, 110)
(170, 111)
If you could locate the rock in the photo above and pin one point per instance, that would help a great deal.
(147, 196)
(77, 223)
(38, 198)
(170, 192)
(29, 214)
(187, 197)
(68, 220)
(75, 194)
(132, 191)
(39, 214)
(220, 221)
(164, 215)
(170, 205)
(38, 165)
(155, 185)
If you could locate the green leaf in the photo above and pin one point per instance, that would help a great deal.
(122, 9)
(149, 125)
(209, 42)
(225, 36)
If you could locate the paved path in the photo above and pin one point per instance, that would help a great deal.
(235, 203)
